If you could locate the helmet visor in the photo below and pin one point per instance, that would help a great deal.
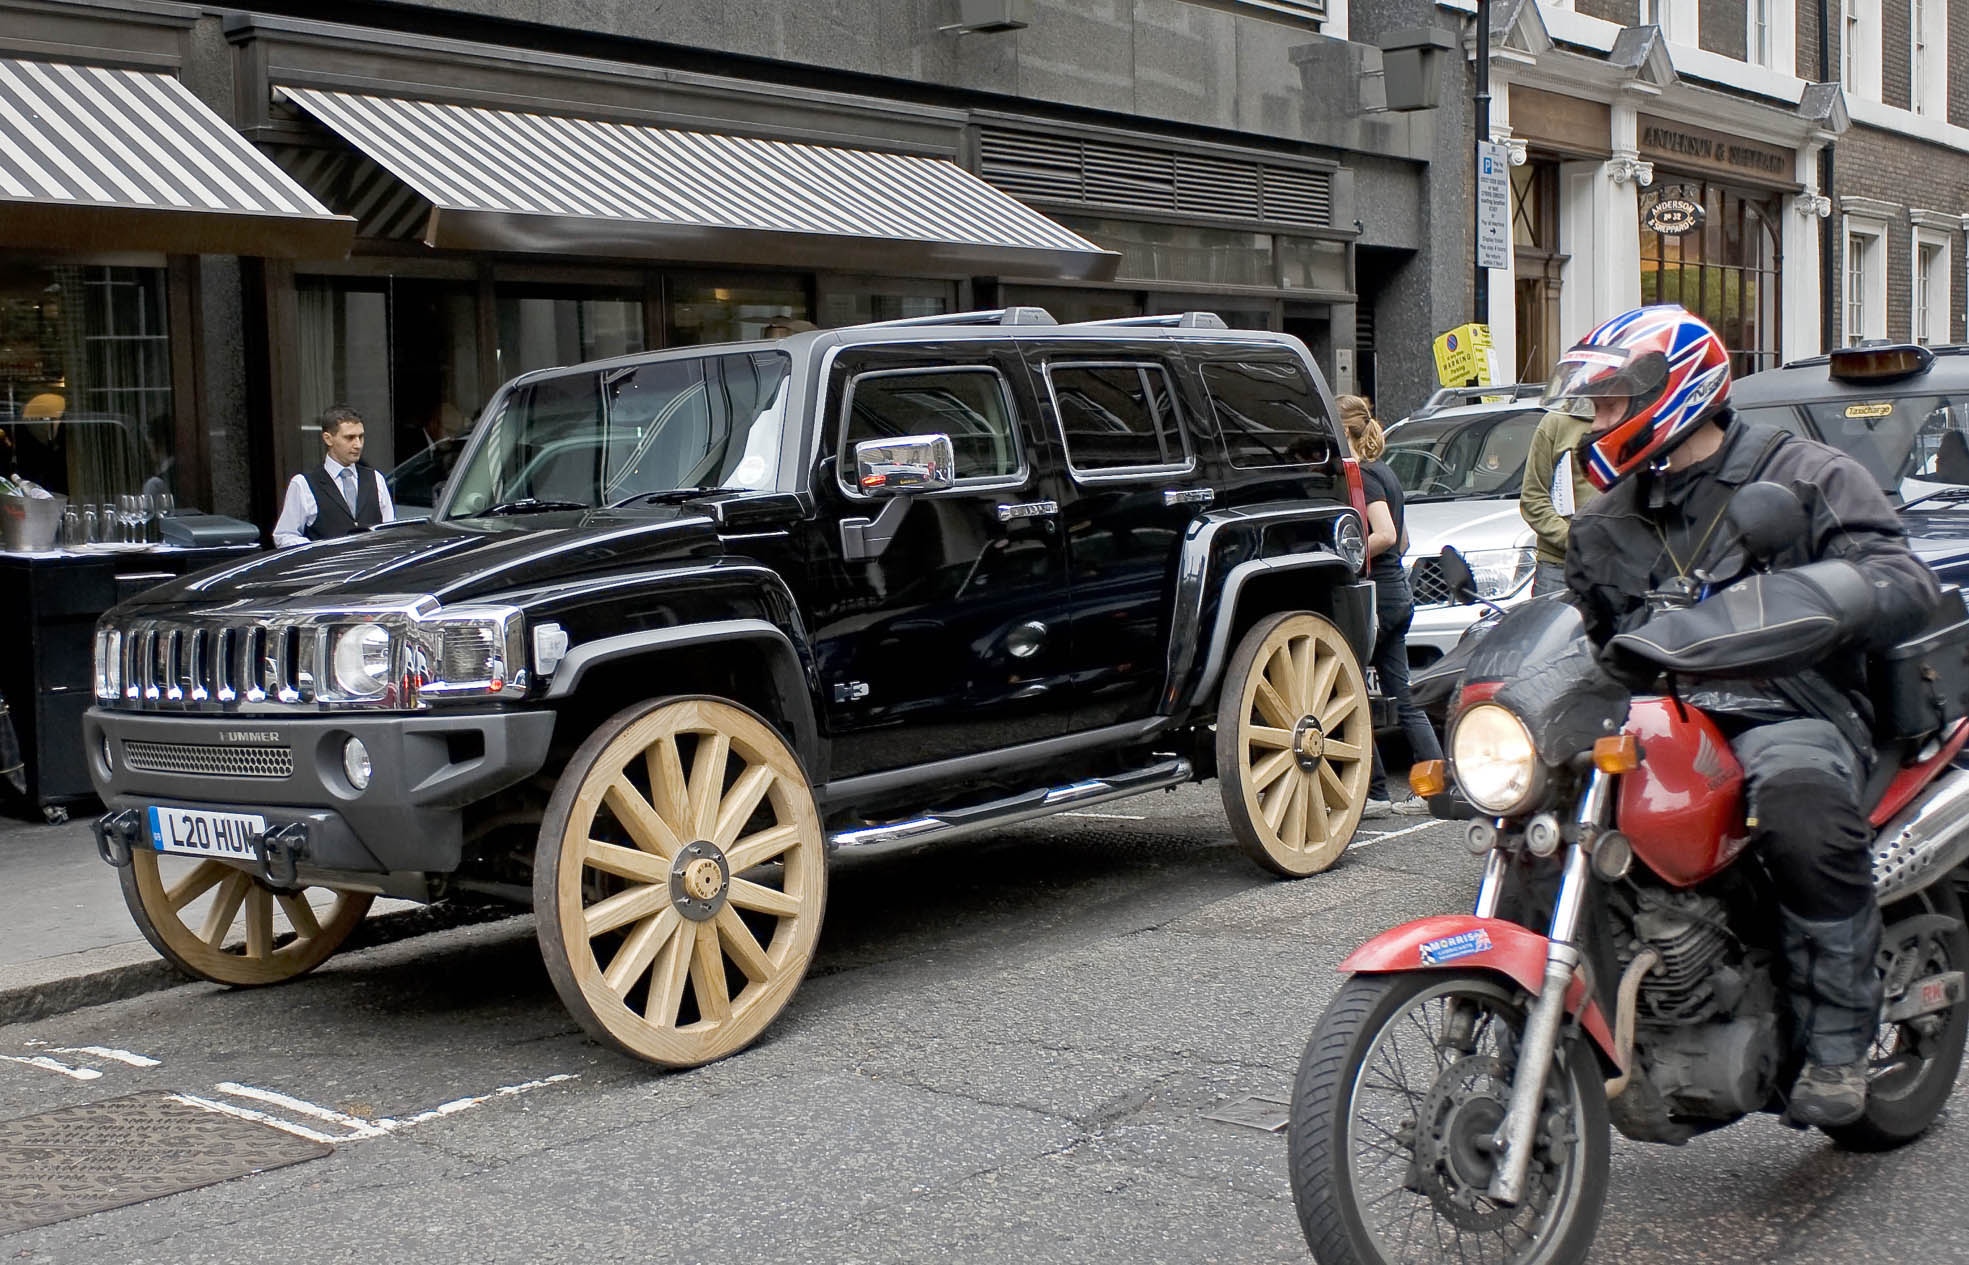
(1585, 374)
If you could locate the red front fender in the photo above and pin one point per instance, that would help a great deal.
(1465, 942)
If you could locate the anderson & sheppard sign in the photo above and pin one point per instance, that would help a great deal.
(1679, 145)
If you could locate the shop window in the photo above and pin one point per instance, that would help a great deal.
(1726, 266)
(1117, 418)
(1310, 263)
(846, 300)
(85, 379)
(540, 328)
(1268, 413)
(1069, 306)
(1866, 280)
(1933, 302)
(711, 309)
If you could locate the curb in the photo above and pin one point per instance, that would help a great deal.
(24, 1003)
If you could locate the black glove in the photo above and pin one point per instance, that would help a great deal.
(1638, 675)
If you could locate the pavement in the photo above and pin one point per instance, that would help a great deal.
(66, 940)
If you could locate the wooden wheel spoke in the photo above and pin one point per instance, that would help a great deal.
(668, 791)
(761, 847)
(1319, 824)
(633, 958)
(259, 922)
(749, 895)
(625, 907)
(1276, 711)
(1278, 801)
(673, 966)
(641, 819)
(739, 804)
(1266, 736)
(626, 863)
(1330, 781)
(225, 907)
(1304, 655)
(1338, 711)
(300, 915)
(195, 884)
(743, 946)
(1292, 831)
(1336, 750)
(1323, 681)
(708, 983)
(1268, 770)
(707, 783)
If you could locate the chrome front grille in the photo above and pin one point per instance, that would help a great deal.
(190, 757)
(191, 663)
(1426, 585)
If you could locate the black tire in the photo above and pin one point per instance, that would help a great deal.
(1906, 1094)
(1321, 1146)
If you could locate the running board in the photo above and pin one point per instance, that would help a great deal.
(1024, 806)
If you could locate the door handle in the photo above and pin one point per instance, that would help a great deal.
(1188, 496)
(1027, 509)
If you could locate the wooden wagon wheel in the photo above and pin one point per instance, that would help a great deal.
(217, 922)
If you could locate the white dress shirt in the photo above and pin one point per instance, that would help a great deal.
(297, 512)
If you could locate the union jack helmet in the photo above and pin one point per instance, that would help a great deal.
(1671, 368)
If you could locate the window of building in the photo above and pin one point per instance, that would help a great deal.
(1268, 413)
(1859, 48)
(1933, 302)
(1117, 417)
(1758, 33)
(1678, 19)
(1866, 280)
(1727, 268)
(726, 308)
(542, 326)
(856, 300)
(1928, 58)
(85, 379)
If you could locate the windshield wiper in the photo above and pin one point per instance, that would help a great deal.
(666, 495)
(1940, 494)
(529, 505)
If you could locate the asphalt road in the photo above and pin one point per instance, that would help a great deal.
(1006, 1053)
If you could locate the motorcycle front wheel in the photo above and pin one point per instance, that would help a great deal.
(1398, 1093)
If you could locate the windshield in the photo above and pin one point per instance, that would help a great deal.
(600, 438)
(1911, 443)
(1481, 456)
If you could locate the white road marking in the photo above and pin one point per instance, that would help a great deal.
(1108, 816)
(1394, 834)
(357, 1128)
(457, 1105)
(247, 1113)
(105, 1052)
(47, 1064)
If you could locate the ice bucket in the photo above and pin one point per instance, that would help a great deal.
(29, 524)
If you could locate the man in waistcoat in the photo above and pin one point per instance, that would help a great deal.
(341, 495)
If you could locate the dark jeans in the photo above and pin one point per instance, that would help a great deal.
(1395, 611)
(1548, 578)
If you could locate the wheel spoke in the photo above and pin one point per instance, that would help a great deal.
(749, 895)
(1303, 653)
(707, 781)
(1336, 750)
(196, 884)
(640, 818)
(626, 863)
(225, 907)
(741, 944)
(708, 984)
(1329, 780)
(1278, 801)
(1292, 831)
(624, 907)
(739, 802)
(1319, 828)
(1268, 737)
(666, 781)
(259, 922)
(1323, 681)
(1268, 770)
(300, 915)
(673, 966)
(639, 950)
(760, 847)
(1273, 707)
(1338, 711)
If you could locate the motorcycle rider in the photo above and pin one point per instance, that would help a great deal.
(1667, 453)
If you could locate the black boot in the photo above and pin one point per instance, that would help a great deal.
(1835, 985)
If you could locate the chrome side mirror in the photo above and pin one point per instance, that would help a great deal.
(909, 463)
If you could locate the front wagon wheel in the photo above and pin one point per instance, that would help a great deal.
(1294, 743)
(679, 881)
(217, 922)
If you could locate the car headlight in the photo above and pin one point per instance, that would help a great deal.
(109, 663)
(471, 651)
(1495, 760)
(1501, 572)
(360, 660)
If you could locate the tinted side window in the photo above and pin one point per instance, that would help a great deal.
(972, 406)
(1117, 417)
(1269, 413)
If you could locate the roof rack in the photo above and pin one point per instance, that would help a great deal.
(995, 316)
(1168, 320)
(1457, 397)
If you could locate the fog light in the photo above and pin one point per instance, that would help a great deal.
(355, 763)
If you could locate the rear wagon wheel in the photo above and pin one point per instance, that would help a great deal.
(218, 922)
(1294, 741)
(680, 880)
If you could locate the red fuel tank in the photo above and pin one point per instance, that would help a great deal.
(1683, 808)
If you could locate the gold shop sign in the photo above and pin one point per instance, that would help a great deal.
(1686, 147)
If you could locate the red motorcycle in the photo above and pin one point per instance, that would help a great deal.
(1621, 966)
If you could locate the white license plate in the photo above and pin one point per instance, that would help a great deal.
(189, 832)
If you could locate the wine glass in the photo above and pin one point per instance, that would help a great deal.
(165, 505)
(130, 513)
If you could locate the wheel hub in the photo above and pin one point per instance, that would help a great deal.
(700, 878)
(1454, 1154)
(1309, 743)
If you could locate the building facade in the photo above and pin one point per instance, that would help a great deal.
(481, 189)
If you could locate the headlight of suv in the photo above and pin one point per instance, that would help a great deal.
(1495, 760)
(109, 663)
(1501, 572)
(467, 651)
(360, 660)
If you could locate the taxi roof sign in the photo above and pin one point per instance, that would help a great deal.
(1878, 363)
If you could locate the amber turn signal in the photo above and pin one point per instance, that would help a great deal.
(1618, 754)
(1429, 778)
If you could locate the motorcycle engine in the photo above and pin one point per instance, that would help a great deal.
(1706, 1021)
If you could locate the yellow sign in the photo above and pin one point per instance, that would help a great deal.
(1870, 410)
(1463, 356)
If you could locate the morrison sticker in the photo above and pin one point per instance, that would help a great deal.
(1450, 948)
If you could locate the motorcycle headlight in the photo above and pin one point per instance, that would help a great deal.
(1495, 760)
(360, 660)
(1501, 572)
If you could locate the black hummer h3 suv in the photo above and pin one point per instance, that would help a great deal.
(684, 622)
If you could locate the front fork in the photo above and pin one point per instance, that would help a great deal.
(1517, 1137)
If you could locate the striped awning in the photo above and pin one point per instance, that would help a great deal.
(93, 158)
(505, 180)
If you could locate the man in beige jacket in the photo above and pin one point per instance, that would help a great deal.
(1555, 486)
